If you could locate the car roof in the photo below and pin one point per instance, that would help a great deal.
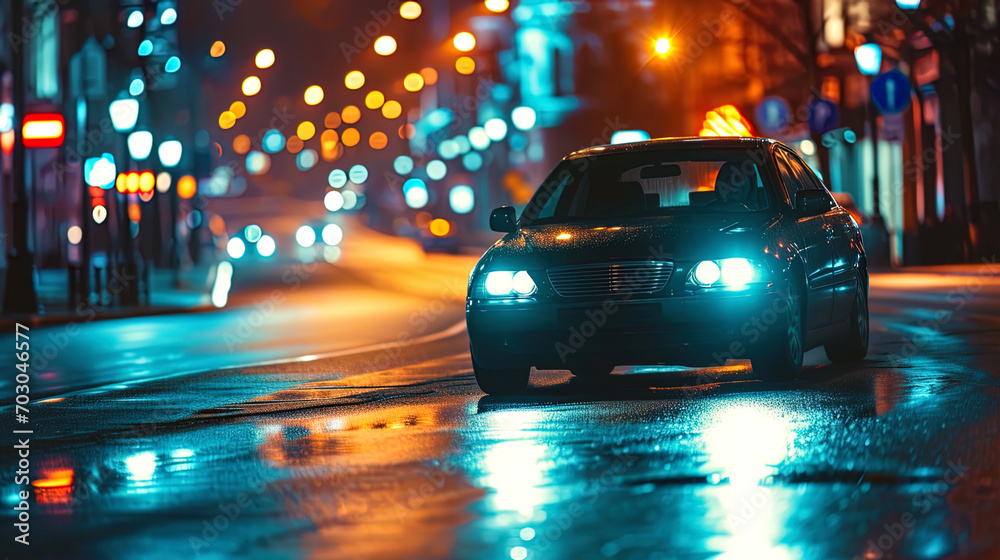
(706, 142)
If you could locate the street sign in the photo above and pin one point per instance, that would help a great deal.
(823, 115)
(891, 92)
(43, 130)
(773, 114)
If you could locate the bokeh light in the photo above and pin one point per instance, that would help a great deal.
(439, 227)
(332, 120)
(385, 45)
(236, 248)
(333, 201)
(187, 186)
(264, 59)
(274, 141)
(374, 99)
(392, 109)
(351, 114)
(465, 65)
(238, 109)
(497, 6)
(251, 86)
(226, 120)
(358, 174)
(294, 145)
(266, 246)
(313, 95)
(306, 160)
(462, 199)
(378, 140)
(257, 163)
(241, 144)
(306, 130)
(413, 82)
(337, 178)
(429, 75)
(496, 129)
(218, 49)
(332, 234)
(354, 80)
(464, 41)
(523, 118)
(305, 236)
(410, 10)
(403, 165)
(436, 169)
(350, 137)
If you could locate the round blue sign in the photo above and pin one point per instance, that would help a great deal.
(891, 92)
(823, 115)
(773, 114)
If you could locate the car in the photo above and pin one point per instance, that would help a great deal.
(680, 251)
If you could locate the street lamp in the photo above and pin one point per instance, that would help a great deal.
(124, 113)
(140, 144)
(170, 152)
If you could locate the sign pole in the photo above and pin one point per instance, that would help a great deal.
(19, 290)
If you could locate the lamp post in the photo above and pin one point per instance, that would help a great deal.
(169, 153)
(869, 59)
(124, 113)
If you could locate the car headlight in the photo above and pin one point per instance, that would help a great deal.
(509, 283)
(731, 273)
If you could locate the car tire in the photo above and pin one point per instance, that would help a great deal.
(779, 356)
(855, 347)
(502, 381)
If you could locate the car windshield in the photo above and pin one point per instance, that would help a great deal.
(650, 183)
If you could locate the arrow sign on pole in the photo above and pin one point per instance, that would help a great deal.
(891, 92)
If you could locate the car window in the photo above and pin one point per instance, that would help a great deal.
(789, 179)
(805, 175)
(651, 183)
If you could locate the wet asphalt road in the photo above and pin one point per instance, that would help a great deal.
(393, 452)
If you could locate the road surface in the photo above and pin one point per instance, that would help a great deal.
(348, 424)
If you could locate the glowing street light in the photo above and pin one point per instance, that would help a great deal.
(464, 41)
(410, 10)
(869, 58)
(170, 152)
(135, 19)
(140, 144)
(661, 46)
(124, 113)
(251, 86)
(497, 6)
(385, 45)
(523, 117)
(264, 59)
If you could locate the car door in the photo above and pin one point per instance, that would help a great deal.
(842, 233)
(816, 249)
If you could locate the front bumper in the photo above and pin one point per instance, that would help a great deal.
(694, 329)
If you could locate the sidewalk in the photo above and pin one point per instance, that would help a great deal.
(170, 292)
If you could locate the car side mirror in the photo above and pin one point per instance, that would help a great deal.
(813, 202)
(503, 219)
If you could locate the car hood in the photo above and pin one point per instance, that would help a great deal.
(677, 238)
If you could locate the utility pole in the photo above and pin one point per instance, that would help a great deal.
(19, 290)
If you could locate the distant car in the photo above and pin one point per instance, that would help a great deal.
(671, 251)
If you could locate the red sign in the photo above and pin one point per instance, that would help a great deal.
(43, 130)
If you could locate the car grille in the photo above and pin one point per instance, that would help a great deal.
(609, 279)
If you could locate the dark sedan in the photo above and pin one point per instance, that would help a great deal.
(685, 251)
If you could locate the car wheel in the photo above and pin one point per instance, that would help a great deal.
(779, 357)
(855, 347)
(502, 381)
